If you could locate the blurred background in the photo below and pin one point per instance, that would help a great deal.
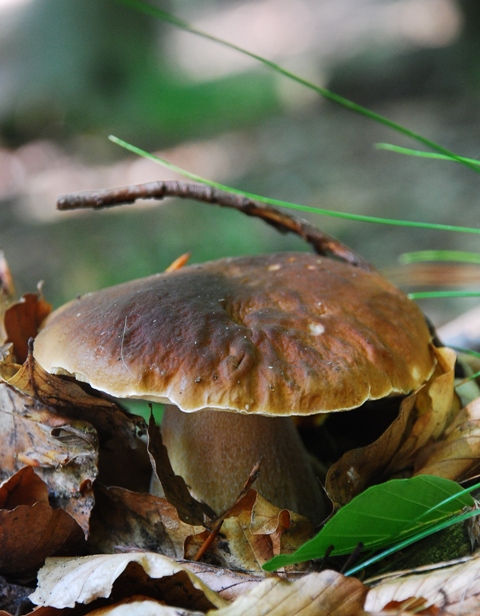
(71, 73)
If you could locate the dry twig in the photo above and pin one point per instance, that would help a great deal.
(322, 243)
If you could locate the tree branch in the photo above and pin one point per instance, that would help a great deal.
(322, 243)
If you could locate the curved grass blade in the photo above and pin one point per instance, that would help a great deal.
(382, 515)
(148, 9)
(293, 206)
(440, 294)
(434, 155)
(420, 256)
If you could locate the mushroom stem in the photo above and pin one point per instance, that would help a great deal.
(215, 452)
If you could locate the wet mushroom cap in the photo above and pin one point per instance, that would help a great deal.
(278, 334)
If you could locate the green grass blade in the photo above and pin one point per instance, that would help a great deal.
(439, 255)
(442, 294)
(293, 206)
(145, 7)
(466, 351)
(404, 544)
(420, 154)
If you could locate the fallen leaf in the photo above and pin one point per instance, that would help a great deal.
(229, 584)
(253, 531)
(142, 606)
(23, 488)
(408, 607)
(63, 452)
(423, 417)
(30, 530)
(22, 320)
(63, 582)
(456, 455)
(317, 594)
(454, 590)
(125, 519)
(122, 457)
(174, 487)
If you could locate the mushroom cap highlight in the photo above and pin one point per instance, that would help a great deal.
(277, 334)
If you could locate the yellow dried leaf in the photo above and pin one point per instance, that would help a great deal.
(423, 418)
(452, 590)
(318, 594)
(456, 455)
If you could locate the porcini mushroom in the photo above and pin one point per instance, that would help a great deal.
(236, 347)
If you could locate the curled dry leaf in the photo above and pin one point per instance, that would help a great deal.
(63, 582)
(253, 531)
(173, 486)
(30, 530)
(22, 320)
(453, 590)
(456, 455)
(23, 488)
(125, 519)
(423, 418)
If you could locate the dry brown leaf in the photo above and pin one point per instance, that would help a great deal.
(62, 582)
(22, 320)
(63, 452)
(174, 487)
(454, 590)
(456, 455)
(423, 417)
(253, 531)
(23, 488)
(413, 606)
(137, 521)
(30, 530)
(123, 458)
(318, 594)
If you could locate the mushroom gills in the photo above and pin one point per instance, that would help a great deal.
(215, 451)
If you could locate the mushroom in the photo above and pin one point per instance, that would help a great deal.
(235, 348)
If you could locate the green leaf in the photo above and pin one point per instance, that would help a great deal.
(381, 516)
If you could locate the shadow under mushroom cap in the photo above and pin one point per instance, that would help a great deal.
(281, 334)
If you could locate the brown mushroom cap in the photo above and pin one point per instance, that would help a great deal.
(281, 334)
